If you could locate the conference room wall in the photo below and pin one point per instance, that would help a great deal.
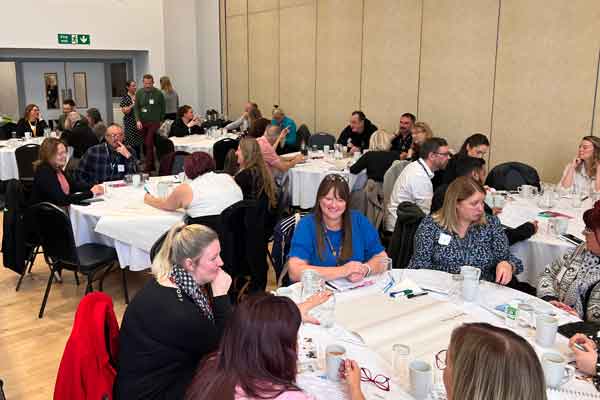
(490, 66)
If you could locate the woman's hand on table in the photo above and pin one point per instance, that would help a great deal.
(354, 271)
(504, 272)
(351, 374)
(310, 303)
(97, 190)
(585, 360)
(564, 307)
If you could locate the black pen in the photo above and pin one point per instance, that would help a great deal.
(410, 296)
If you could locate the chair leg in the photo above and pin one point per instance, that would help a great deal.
(76, 278)
(20, 281)
(50, 279)
(124, 279)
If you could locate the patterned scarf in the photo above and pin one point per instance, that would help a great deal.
(186, 283)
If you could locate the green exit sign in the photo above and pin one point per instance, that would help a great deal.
(73, 38)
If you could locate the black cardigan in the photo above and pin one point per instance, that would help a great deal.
(180, 129)
(23, 126)
(46, 187)
(161, 341)
(376, 163)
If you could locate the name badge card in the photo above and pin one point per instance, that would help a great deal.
(144, 110)
(444, 239)
(120, 168)
(151, 101)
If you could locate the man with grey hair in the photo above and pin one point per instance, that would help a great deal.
(78, 134)
(273, 134)
(108, 161)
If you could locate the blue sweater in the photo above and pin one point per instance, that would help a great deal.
(287, 122)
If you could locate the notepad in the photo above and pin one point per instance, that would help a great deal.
(569, 394)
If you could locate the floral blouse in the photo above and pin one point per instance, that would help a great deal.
(572, 279)
(484, 246)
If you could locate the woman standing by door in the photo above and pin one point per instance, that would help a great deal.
(133, 137)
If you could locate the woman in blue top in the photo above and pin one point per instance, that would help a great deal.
(335, 241)
(287, 144)
(461, 234)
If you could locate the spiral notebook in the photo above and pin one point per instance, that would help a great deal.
(569, 394)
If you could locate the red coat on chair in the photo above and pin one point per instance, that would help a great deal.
(87, 369)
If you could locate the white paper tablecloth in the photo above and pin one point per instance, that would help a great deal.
(305, 178)
(124, 222)
(416, 323)
(8, 161)
(194, 143)
(542, 248)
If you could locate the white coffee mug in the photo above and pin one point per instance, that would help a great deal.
(556, 370)
(421, 378)
(136, 180)
(334, 359)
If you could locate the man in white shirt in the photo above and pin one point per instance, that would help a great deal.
(414, 183)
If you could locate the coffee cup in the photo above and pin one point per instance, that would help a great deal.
(334, 359)
(545, 330)
(556, 370)
(136, 180)
(421, 378)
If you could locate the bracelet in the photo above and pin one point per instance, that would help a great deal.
(596, 377)
(368, 269)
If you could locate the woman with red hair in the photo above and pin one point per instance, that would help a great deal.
(204, 193)
(571, 282)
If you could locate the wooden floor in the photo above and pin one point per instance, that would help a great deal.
(31, 348)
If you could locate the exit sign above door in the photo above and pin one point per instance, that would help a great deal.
(73, 38)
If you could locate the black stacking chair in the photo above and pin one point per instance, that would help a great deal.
(321, 139)
(220, 150)
(26, 155)
(56, 236)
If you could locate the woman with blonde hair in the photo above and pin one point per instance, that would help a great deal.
(583, 173)
(461, 234)
(253, 177)
(31, 122)
(484, 362)
(378, 159)
(420, 133)
(171, 98)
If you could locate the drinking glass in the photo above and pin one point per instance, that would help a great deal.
(455, 293)
(526, 315)
(312, 283)
(325, 313)
(400, 361)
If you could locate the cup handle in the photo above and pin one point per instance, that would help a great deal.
(569, 374)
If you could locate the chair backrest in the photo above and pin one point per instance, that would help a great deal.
(163, 146)
(220, 150)
(26, 155)
(172, 163)
(55, 232)
(302, 135)
(321, 139)
(511, 175)
(15, 228)
(2, 396)
(401, 246)
(389, 178)
(157, 246)
(282, 240)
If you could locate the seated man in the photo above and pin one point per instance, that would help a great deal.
(358, 134)
(403, 141)
(414, 183)
(108, 161)
(475, 168)
(276, 164)
(78, 134)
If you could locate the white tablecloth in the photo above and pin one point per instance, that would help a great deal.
(305, 178)
(423, 323)
(8, 161)
(124, 222)
(542, 248)
(194, 143)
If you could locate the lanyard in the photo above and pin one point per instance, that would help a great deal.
(112, 163)
(424, 169)
(337, 254)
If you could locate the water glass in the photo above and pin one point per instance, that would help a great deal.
(455, 289)
(400, 361)
(526, 313)
(325, 313)
(128, 179)
(312, 283)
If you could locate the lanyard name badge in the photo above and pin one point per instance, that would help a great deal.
(336, 253)
(114, 163)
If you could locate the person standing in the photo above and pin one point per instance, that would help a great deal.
(149, 108)
(171, 98)
(133, 137)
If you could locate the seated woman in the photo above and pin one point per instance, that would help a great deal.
(253, 177)
(461, 234)
(53, 185)
(583, 171)
(205, 193)
(476, 146)
(94, 119)
(420, 133)
(186, 123)
(379, 158)
(31, 122)
(256, 123)
(571, 281)
(491, 363)
(335, 241)
(270, 373)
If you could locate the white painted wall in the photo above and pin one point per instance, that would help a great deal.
(209, 54)
(9, 105)
(112, 24)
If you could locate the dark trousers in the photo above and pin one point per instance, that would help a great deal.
(149, 131)
(171, 116)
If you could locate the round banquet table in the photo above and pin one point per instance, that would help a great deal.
(304, 179)
(123, 221)
(8, 161)
(369, 322)
(543, 247)
(193, 143)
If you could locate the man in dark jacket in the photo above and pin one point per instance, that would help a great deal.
(357, 135)
(78, 134)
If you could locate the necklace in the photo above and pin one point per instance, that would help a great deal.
(336, 253)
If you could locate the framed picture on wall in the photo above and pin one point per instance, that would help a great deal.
(80, 89)
(51, 87)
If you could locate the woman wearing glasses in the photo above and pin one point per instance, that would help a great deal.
(246, 366)
(335, 241)
(571, 281)
(487, 362)
(461, 234)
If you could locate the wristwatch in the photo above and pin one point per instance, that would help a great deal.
(368, 269)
